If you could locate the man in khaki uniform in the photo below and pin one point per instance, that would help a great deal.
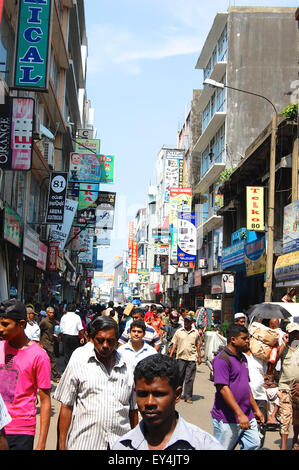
(186, 342)
(289, 377)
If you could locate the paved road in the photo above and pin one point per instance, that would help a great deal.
(198, 413)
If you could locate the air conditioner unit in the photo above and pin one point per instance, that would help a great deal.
(49, 152)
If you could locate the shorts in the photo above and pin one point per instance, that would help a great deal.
(288, 411)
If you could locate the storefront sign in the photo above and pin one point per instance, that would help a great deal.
(103, 236)
(12, 227)
(134, 267)
(56, 198)
(291, 228)
(228, 283)
(87, 145)
(255, 208)
(42, 256)
(233, 255)
(53, 256)
(5, 133)
(86, 257)
(30, 243)
(60, 232)
(216, 284)
(255, 257)
(173, 171)
(187, 236)
(287, 267)
(105, 210)
(33, 41)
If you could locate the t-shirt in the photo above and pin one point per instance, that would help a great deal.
(186, 343)
(22, 373)
(71, 324)
(235, 374)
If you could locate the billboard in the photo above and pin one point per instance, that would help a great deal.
(180, 200)
(291, 228)
(187, 236)
(91, 168)
(33, 45)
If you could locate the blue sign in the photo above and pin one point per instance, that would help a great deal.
(187, 236)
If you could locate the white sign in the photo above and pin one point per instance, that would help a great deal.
(31, 243)
(60, 232)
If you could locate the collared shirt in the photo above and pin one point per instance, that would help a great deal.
(32, 331)
(289, 369)
(71, 324)
(186, 344)
(151, 336)
(4, 416)
(186, 436)
(102, 400)
(47, 331)
(235, 374)
(128, 353)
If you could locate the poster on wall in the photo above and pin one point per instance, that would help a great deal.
(31, 71)
(291, 228)
(187, 236)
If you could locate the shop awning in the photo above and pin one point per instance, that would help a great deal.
(287, 269)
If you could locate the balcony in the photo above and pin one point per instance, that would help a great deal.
(213, 222)
(215, 123)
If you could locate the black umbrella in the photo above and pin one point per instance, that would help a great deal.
(268, 310)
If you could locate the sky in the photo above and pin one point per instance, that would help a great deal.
(140, 79)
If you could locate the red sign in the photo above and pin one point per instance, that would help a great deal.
(1, 8)
(53, 255)
(131, 232)
(42, 256)
(134, 258)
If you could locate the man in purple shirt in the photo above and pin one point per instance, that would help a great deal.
(235, 411)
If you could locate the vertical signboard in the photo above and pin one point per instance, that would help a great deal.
(180, 200)
(33, 45)
(187, 236)
(60, 232)
(173, 171)
(5, 133)
(131, 234)
(56, 198)
(21, 133)
(134, 257)
(255, 208)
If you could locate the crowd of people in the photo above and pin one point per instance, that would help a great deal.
(120, 365)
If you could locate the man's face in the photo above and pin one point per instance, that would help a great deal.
(104, 343)
(156, 400)
(241, 342)
(9, 329)
(187, 324)
(241, 321)
(137, 317)
(51, 313)
(30, 316)
(136, 334)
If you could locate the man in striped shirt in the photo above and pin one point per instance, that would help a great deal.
(151, 337)
(101, 384)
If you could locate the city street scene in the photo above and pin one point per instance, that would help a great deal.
(149, 228)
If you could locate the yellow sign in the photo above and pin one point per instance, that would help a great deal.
(255, 208)
(287, 267)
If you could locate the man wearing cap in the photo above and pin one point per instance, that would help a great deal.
(289, 404)
(32, 330)
(47, 340)
(24, 369)
(186, 342)
(240, 319)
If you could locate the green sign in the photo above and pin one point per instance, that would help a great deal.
(12, 227)
(32, 48)
(107, 168)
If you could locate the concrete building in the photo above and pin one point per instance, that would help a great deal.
(251, 49)
(58, 113)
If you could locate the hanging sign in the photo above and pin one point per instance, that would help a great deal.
(33, 45)
(56, 198)
(187, 236)
(60, 232)
(255, 208)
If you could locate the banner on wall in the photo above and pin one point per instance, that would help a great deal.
(31, 71)
(187, 236)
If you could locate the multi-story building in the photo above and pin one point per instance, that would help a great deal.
(247, 48)
(59, 111)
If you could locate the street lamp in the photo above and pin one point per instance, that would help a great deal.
(271, 196)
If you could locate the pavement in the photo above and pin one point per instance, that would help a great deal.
(197, 413)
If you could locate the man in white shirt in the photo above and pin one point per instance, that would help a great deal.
(72, 332)
(136, 349)
(32, 330)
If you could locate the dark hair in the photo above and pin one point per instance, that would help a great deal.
(139, 311)
(71, 307)
(137, 324)
(158, 365)
(234, 330)
(111, 304)
(103, 323)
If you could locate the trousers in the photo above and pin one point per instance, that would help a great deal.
(231, 434)
(187, 370)
(70, 343)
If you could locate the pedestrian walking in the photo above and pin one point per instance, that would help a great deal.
(186, 343)
(136, 348)
(4, 420)
(101, 385)
(151, 337)
(32, 330)
(240, 319)
(72, 332)
(154, 320)
(162, 428)
(47, 340)
(288, 403)
(235, 411)
(169, 330)
(24, 371)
